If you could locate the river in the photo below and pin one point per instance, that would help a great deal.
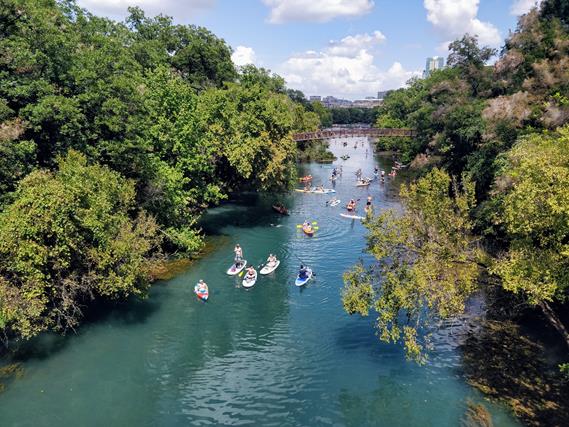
(273, 355)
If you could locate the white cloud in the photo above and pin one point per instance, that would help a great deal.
(118, 8)
(243, 55)
(520, 7)
(454, 18)
(345, 68)
(315, 10)
(352, 45)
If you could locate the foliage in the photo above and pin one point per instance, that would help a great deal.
(158, 107)
(324, 114)
(353, 115)
(533, 190)
(67, 237)
(426, 262)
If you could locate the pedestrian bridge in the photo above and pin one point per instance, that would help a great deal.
(354, 132)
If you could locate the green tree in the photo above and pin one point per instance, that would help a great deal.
(68, 237)
(427, 262)
(533, 192)
(323, 113)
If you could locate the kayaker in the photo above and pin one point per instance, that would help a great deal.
(320, 188)
(238, 254)
(303, 272)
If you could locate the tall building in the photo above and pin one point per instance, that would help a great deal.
(433, 63)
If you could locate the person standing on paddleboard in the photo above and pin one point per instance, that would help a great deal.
(238, 254)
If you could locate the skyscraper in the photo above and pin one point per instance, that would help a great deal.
(433, 63)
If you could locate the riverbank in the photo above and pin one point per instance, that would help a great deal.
(514, 359)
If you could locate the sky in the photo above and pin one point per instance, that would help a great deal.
(345, 48)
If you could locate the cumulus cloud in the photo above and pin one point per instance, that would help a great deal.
(520, 7)
(352, 45)
(118, 8)
(315, 10)
(345, 68)
(243, 55)
(454, 18)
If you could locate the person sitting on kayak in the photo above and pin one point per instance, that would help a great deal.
(201, 285)
(320, 188)
(250, 272)
(307, 226)
(238, 254)
(303, 272)
(332, 200)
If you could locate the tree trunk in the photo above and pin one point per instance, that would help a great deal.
(555, 321)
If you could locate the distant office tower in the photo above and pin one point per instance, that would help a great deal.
(433, 63)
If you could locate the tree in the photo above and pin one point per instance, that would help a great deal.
(324, 114)
(470, 59)
(427, 262)
(68, 237)
(533, 192)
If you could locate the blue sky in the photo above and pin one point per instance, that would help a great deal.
(345, 48)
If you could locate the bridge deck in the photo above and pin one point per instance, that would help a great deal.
(344, 133)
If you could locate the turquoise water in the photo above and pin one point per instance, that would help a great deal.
(272, 355)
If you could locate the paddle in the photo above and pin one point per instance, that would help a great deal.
(305, 264)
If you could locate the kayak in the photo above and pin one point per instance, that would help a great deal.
(302, 282)
(249, 282)
(236, 269)
(351, 216)
(202, 294)
(362, 183)
(308, 230)
(267, 269)
(334, 203)
(280, 209)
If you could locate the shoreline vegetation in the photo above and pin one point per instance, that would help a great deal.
(489, 210)
(115, 138)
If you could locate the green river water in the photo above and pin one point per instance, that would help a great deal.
(272, 355)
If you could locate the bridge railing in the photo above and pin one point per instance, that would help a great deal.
(344, 133)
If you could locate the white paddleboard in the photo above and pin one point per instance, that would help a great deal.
(234, 269)
(351, 216)
(267, 270)
(248, 283)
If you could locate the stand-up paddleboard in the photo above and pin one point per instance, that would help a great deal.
(314, 191)
(363, 183)
(269, 269)
(249, 282)
(236, 269)
(303, 281)
(202, 294)
(343, 215)
(324, 191)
